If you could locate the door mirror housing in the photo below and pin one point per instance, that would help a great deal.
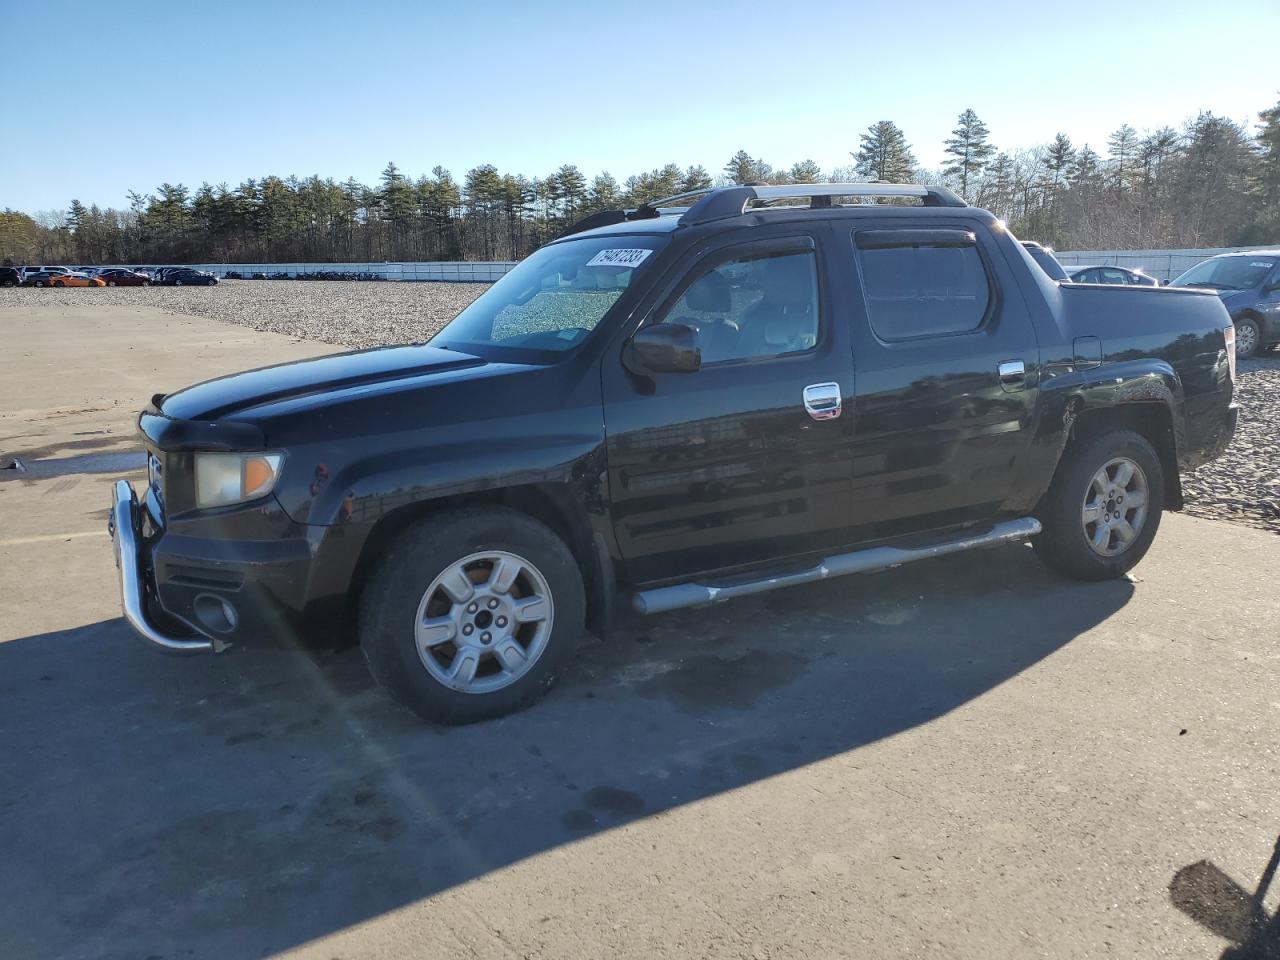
(663, 348)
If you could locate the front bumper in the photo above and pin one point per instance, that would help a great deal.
(124, 525)
(248, 575)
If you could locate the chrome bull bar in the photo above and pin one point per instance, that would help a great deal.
(123, 525)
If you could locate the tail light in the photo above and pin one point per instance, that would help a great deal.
(1229, 341)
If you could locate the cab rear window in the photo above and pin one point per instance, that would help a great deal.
(922, 283)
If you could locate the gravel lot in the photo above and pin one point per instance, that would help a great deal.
(1242, 486)
(345, 313)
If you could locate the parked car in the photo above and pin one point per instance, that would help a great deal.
(1044, 258)
(74, 280)
(10, 276)
(38, 278)
(120, 277)
(672, 409)
(185, 277)
(1116, 275)
(1249, 285)
(27, 271)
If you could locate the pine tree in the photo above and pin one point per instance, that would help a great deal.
(1154, 152)
(997, 192)
(742, 168)
(1122, 147)
(1264, 184)
(397, 193)
(806, 171)
(1058, 161)
(604, 194)
(1087, 169)
(573, 190)
(76, 215)
(884, 154)
(695, 178)
(969, 149)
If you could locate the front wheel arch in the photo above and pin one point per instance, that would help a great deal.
(438, 545)
(551, 504)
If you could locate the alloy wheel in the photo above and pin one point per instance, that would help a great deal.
(484, 621)
(1246, 339)
(1115, 507)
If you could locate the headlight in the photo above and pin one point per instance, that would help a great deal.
(223, 478)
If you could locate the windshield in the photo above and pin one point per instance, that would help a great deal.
(552, 300)
(1227, 273)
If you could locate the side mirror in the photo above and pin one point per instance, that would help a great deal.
(663, 348)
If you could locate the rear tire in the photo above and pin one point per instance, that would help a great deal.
(1103, 507)
(448, 636)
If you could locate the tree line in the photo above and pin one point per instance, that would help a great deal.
(1211, 183)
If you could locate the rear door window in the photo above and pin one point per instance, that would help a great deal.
(922, 283)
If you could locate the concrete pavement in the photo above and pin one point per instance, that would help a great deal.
(965, 758)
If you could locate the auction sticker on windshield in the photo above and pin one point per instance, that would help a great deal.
(618, 258)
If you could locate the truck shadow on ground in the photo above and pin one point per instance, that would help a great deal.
(243, 804)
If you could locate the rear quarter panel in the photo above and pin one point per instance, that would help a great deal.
(1105, 345)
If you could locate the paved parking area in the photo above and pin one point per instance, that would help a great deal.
(964, 758)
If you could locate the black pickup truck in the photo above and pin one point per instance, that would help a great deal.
(710, 396)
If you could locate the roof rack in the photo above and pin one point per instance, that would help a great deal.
(720, 203)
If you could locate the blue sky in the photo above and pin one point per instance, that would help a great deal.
(125, 96)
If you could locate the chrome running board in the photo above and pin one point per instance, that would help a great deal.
(662, 599)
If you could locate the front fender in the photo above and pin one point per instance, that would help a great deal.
(365, 490)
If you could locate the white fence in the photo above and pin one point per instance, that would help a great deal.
(1161, 264)
(448, 271)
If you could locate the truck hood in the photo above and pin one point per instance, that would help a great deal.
(226, 396)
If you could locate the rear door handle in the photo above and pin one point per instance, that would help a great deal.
(1013, 373)
(822, 400)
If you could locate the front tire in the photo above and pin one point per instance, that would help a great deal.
(1248, 337)
(177, 283)
(471, 614)
(1103, 507)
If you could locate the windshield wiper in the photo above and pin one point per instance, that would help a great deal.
(1208, 283)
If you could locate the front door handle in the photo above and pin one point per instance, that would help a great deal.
(1013, 373)
(822, 400)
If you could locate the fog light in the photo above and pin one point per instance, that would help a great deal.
(215, 613)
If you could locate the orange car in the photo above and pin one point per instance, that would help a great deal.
(76, 280)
